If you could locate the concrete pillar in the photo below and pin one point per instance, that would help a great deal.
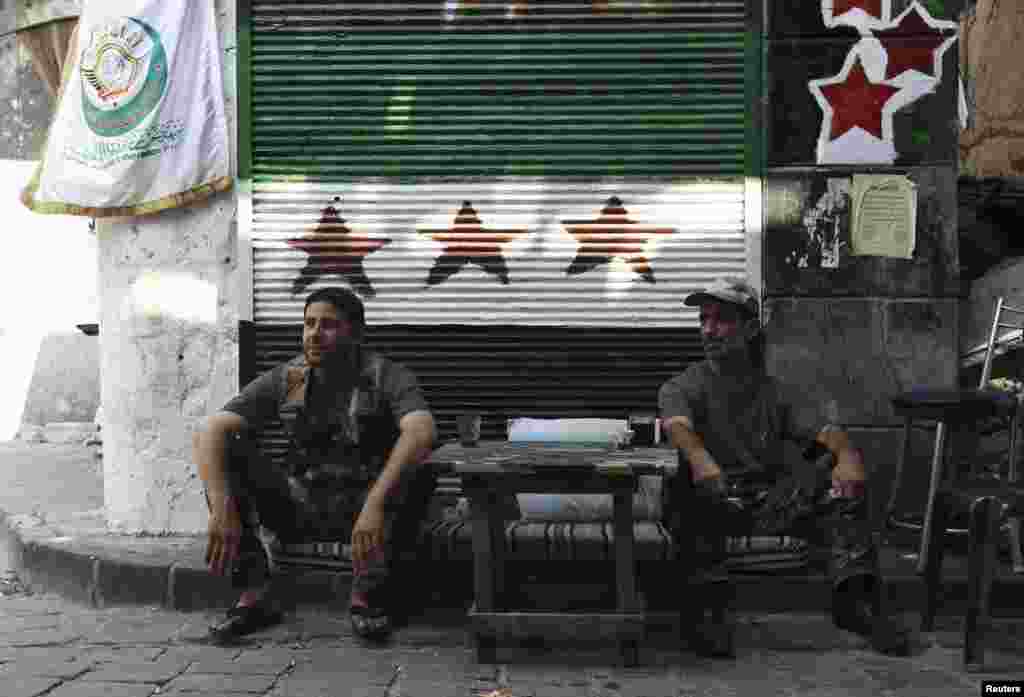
(851, 331)
(168, 344)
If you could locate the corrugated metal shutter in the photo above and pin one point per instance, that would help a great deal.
(507, 371)
(345, 90)
(474, 166)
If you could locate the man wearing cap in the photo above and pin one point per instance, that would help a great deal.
(731, 422)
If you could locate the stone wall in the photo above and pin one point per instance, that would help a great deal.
(993, 144)
(27, 105)
(65, 382)
(32, 12)
(168, 343)
(853, 330)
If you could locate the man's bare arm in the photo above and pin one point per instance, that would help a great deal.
(414, 445)
(683, 437)
(209, 447)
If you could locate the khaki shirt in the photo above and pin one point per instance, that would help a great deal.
(742, 421)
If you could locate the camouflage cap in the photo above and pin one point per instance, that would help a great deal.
(729, 290)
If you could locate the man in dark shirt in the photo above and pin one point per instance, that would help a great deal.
(359, 428)
(729, 417)
(731, 422)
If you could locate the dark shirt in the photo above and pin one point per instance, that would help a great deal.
(353, 425)
(743, 420)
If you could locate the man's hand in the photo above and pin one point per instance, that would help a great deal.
(225, 535)
(849, 472)
(367, 535)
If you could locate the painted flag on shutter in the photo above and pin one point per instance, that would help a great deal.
(140, 124)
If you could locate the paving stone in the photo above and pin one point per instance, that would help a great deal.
(88, 626)
(27, 687)
(196, 653)
(55, 653)
(355, 672)
(426, 666)
(39, 637)
(29, 622)
(212, 691)
(158, 671)
(194, 629)
(416, 688)
(257, 684)
(273, 655)
(245, 665)
(125, 654)
(339, 684)
(33, 604)
(153, 629)
(902, 677)
(41, 667)
(107, 689)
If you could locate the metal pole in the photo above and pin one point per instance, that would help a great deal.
(986, 371)
(938, 458)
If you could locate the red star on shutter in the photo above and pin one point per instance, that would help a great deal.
(911, 45)
(613, 235)
(469, 242)
(857, 102)
(872, 7)
(333, 249)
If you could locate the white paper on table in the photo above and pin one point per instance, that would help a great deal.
(614, 432)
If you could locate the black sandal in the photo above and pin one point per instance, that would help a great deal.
(244, 620)
(371, 623)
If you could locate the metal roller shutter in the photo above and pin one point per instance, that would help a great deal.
(516, 189)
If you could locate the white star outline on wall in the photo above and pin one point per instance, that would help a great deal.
(858, 146)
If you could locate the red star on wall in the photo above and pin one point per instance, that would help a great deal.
(857, 102)
(333, 249)
(469, 242)
(612, 235)
(911, 45)
(872, 7)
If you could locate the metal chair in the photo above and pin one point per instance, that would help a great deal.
(988, 500)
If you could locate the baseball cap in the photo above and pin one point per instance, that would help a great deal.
(729, 290)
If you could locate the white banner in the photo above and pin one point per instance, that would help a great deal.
(140, 124)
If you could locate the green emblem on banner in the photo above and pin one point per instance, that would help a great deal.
(124, 76)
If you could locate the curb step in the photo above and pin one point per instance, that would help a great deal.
(82, 570)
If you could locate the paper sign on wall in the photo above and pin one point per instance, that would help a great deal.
(884, 216)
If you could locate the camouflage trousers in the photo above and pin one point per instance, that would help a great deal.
(299, 509)
(793, 507)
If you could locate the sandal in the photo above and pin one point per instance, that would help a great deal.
(369, 622)
(244, 620)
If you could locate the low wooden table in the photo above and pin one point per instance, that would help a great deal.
(493, 472)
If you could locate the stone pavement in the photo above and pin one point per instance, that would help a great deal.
(86, 643)
(51, 647)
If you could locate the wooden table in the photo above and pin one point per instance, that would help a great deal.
(493, 472)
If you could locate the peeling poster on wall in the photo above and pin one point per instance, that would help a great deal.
(825, 225)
